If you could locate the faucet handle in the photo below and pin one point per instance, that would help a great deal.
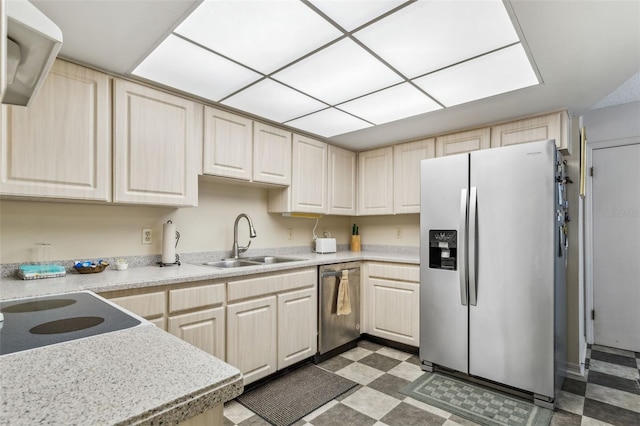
(243, 249)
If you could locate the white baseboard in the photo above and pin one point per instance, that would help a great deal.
(578, 369)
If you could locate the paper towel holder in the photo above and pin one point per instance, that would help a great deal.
(177, 262)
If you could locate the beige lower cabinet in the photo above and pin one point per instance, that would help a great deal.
(271, 322)
(196, 315)
(203, 329)
(393, 302)
(252, 337)
(297, 336)
(151, 306)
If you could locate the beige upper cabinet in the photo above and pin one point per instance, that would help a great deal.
(271, 154)
(544, 127)
(342, 181)
(375, 181)
(406, 173)
(459, 143)
(228, 144)
(60, 146)
(155, 146)
(308, 190)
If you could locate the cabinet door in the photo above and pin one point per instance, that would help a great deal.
(155, 146)
(406, 173)
(252, 337)
(60, 146)
(309, 182)
(151, 306)
(342, 181)
(308, 190)
(297, 326)
(271, 155)
(394, 310)
(203, 329)
(533, 129)
(227, 144)
(375, 181)
(459, 143)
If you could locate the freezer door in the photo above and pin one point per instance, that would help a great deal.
(443, 308)
(511, 326)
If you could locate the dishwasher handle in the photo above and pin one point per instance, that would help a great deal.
(336, 273)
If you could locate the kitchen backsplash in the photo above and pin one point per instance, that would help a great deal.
(107, 231)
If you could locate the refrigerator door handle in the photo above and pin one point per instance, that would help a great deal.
(462, 247)
(473, 284)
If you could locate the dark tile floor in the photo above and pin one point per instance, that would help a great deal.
(608, 394)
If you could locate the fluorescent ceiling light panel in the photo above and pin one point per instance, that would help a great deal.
(498, 72)
(391, 104)
(338, 73)
(350, 14)
(329, 122)
(428, 35)
(274, 101)
(264, 35)
(190, 68)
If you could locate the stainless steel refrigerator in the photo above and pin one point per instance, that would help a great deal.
(493, 266)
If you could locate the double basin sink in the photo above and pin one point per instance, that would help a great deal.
(249, 261)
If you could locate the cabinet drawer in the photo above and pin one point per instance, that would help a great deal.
(148, 305)
(400, 272)
(260, 286)
(196, 297)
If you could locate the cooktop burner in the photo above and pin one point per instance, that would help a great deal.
(66, 325)
(39, 305)
(42, 321)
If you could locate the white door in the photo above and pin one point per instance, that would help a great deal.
(616, 246)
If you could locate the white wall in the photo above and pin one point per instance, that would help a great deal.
(382, 230)
(86, 231)
(617, 122)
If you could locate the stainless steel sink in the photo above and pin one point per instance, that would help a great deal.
(248, 261)
(229, 263)
(271, 259)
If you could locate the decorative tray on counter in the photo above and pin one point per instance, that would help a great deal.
(89, 267)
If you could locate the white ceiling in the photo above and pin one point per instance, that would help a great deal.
(583, 51)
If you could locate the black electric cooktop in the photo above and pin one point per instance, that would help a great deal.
(41, 321)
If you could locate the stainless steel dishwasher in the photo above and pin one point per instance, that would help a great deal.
(337, 333)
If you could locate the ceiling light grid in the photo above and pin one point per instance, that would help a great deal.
(355, 63)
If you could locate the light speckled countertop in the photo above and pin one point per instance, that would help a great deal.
(147, 276)
(140, 375)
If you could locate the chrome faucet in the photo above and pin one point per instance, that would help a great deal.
(236, 250)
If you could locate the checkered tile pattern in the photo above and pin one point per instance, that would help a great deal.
(608, 394)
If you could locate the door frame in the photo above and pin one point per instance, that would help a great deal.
(588, 228)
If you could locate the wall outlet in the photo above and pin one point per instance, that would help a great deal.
(147, 236)
(290, 233)
(399, 233)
